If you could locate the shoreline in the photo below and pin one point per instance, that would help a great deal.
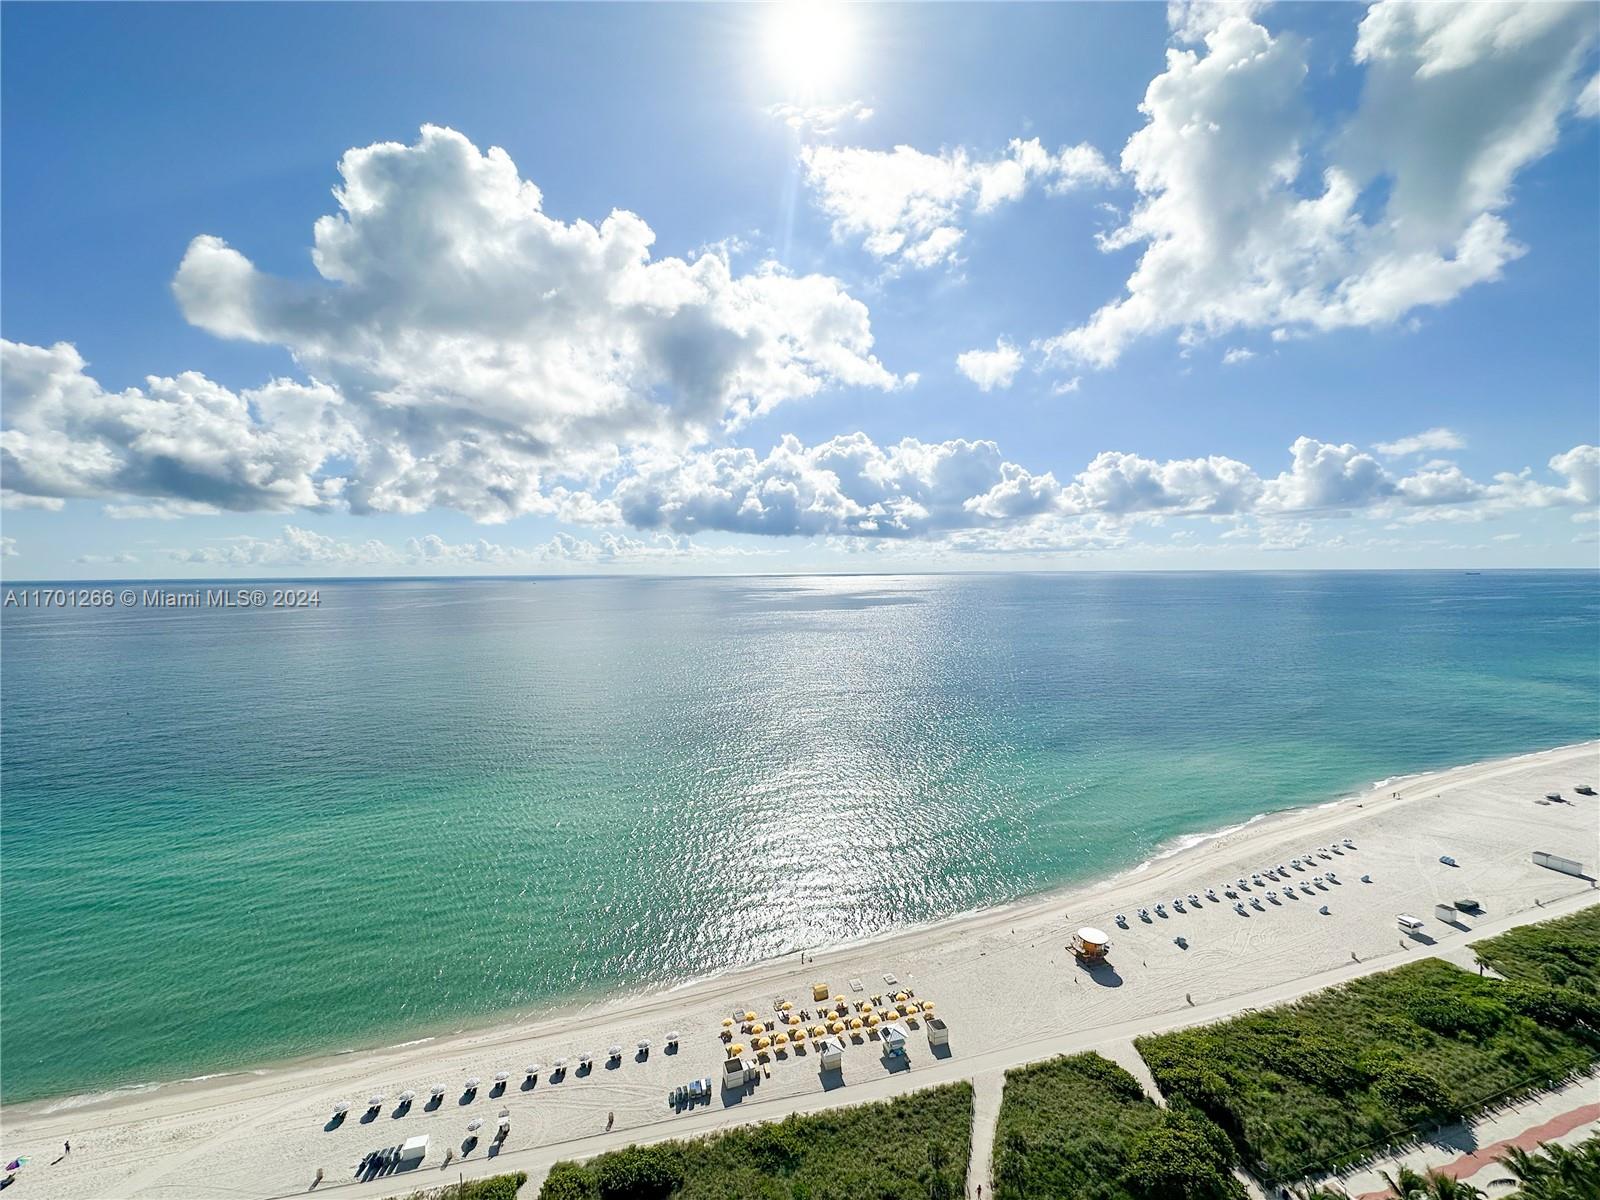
(493, 1028)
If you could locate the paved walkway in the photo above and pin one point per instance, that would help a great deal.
(987, 1089)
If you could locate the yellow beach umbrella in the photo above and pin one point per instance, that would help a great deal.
(762, 1043)
(899, 995)
(793, 1020)
(750, 1016)
(912, 1009)
(727, 1022)
(836, 1027)
(786, 1006)
(867, 1006)
(799, 1035)
(839, 1000)
(872, 1019)
(818, 1030)
(855, 1022)
(927, 1006)
(735, 1050)
(781, 1040)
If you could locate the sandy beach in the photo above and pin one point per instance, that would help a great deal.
(1002, 979)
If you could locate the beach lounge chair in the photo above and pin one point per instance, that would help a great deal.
(1122, 921)
(1144, 914)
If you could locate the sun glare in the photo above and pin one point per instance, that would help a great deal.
(809, 45)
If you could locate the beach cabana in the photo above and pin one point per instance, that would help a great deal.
(819, 991)
(830, 1054)
(414, 1148)
(894, 1041)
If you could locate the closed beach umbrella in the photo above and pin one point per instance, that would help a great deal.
(474, 1125)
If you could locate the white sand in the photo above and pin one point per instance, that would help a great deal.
(1010, 991)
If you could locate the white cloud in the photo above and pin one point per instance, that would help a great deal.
(1236, 355)
(122, 559)
(991, 369)
(297, 547)
(1325, 476)
(484, 348)
(1456, 100)
(1588, 102)
(1437, 438)
(909, 208)
(820, 120)
(8, 547)
(184, 438)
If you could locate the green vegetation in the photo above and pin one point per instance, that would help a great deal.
(1554, 1172)
(1081, 1128)
(1563, 953)
(1326, 1081)
(495, 1187)
(914, 1147)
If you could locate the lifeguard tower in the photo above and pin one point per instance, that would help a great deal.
(1089, 945)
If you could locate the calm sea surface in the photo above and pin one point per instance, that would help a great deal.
(231, 836)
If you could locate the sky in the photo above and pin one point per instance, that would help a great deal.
(343, 290)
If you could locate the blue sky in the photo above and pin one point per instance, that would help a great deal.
(947, 287)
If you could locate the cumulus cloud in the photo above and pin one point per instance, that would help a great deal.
(1437, 438)
(484, 348)
(1456, 100)
(8, 547)
(820, 120)
(1236, 355)
(908, 208)
(297, 547)
(991, 369)
(184, 438)
(1588, 102)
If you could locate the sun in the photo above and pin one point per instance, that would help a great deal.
(809, 45)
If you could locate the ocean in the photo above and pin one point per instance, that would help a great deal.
(237, 836)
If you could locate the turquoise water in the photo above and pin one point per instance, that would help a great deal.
(238, 836)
